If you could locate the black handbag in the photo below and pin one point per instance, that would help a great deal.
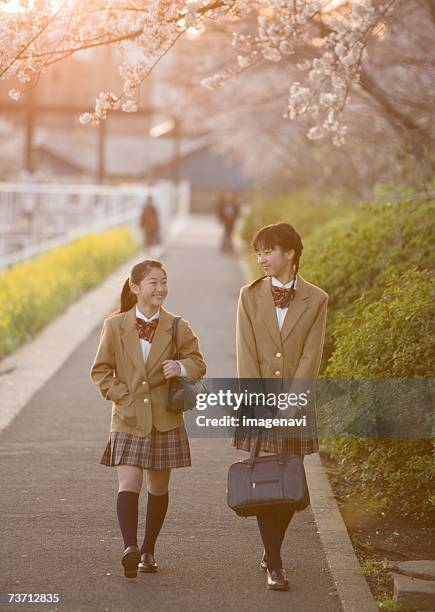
(260, 483)
(182, 394)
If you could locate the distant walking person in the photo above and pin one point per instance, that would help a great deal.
(280, 333)
(228, 210)
(149, 222)
(132, 368)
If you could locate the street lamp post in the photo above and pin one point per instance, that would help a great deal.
(171, 125)
(30, 125)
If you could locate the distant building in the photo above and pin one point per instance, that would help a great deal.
(208, 173)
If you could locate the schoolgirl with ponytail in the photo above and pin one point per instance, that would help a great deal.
(281, 322)
(132, 369)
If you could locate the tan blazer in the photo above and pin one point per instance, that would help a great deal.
(139, 390)
(263, 351)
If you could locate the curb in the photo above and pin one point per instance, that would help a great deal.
(354, 593)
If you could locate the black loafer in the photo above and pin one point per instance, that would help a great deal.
(130, 559)
(276, 580)
(148, 563)
(263, 562)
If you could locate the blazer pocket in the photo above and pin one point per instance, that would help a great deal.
(117, 392)
(125, 401)
(125, 410)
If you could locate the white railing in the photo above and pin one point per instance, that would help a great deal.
(37, 217)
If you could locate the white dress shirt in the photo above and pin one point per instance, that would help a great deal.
(145, 345)
(281, 312)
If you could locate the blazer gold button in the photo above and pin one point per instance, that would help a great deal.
(278, 355)
(146, 400)
(277, 373)
(144, 382)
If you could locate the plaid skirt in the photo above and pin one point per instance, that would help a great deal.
(275, 440)
(160, 449)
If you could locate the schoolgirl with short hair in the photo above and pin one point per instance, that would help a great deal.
(280, 333)
(132, 368)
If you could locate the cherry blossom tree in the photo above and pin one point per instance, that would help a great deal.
(332, 36)
(389, 115)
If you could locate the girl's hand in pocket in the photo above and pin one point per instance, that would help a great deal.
(171, 369)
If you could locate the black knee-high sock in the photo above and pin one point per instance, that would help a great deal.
(270, 531)
(127, 510)
(156, 512)
(285, 516)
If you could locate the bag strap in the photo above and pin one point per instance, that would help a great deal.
(174, 338)
(255, 449)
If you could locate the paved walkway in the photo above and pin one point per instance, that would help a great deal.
(59, 530)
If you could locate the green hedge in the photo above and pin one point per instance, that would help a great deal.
(389, 338)
(355, 254)
(34, 293)
(389, 475)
